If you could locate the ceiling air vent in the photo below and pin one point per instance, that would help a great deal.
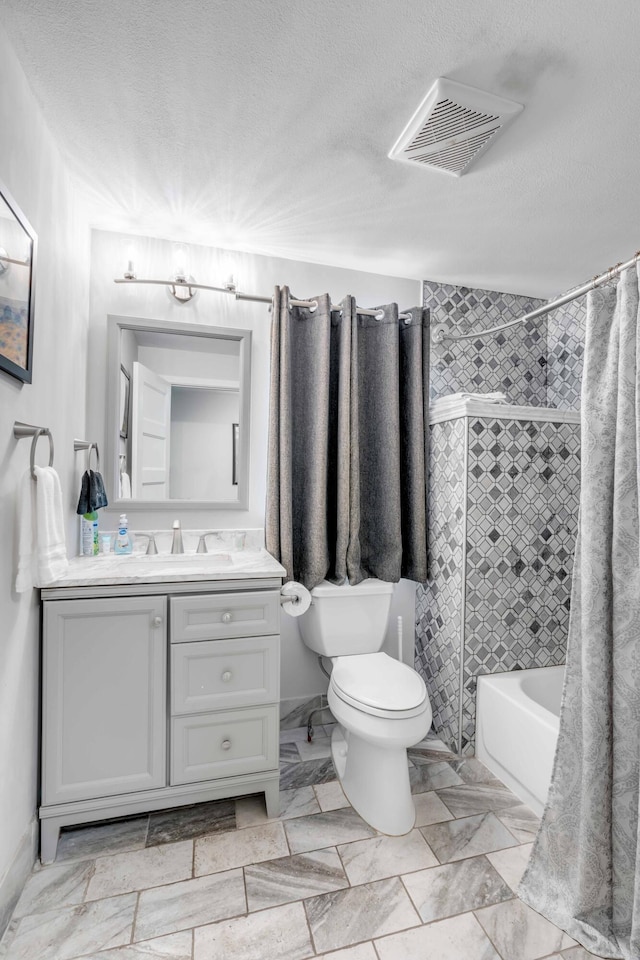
(453, 125)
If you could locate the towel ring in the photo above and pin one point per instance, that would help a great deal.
(22, 430)
(88, 445)
(40, 432)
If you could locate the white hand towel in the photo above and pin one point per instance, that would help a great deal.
(42, 547)
(125, 486)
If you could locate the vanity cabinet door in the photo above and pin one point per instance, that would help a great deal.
(104, 697)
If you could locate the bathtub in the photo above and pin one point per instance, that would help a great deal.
(517, 720)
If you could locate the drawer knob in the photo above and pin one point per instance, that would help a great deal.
(226, 744)
(227, 617)
(157, 621)
(226, 676)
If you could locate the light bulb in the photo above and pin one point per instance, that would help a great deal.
(128, 259)
(181, 261)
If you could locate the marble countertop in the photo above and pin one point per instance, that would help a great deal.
(109, 569)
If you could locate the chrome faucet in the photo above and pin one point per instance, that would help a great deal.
(202, 543)
(152, 549)
(176, 543)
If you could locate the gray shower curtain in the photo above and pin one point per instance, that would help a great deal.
(348, 427)
(584, 870)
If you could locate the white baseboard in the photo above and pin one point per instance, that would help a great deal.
(19, 869)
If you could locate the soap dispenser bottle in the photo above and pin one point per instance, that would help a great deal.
(123, 542)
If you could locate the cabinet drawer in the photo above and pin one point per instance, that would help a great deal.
(220, 674)
(226, 744)
(218, 615)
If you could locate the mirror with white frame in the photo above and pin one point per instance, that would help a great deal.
(177, 414)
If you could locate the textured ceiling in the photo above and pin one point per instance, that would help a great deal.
(264, 125)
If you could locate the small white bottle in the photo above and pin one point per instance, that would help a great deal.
(123, 542)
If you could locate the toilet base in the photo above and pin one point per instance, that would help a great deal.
(375, 781)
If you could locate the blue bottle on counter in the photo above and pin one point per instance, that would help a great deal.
(123, 542)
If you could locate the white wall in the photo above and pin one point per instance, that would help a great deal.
(32, 170)
(201, 447)
(301, 676)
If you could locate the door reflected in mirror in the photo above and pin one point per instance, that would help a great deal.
(182, 405)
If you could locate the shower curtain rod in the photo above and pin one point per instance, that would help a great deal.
(443, 331)
(237, 295)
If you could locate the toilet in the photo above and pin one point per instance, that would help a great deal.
(381, 705)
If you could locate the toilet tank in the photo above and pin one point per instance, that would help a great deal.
(346, 620)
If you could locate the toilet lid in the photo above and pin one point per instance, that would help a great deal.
(377, 680)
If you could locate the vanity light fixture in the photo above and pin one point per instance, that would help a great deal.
(183, 286)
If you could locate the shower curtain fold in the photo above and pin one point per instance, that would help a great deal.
(583, 874)
(348, 425)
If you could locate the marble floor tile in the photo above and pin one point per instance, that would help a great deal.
(470, 798)
(521, 821)
(298, 717)
(511, 863)
(430, 809)
(576, 953)
(98, 840)
(362, 951)
(359, 913)
(139, 869)
(295, 734)
(473, 771)
(74, 931)
(54, 886)
(381, 857)
(326, 830)
(294, 775)
(293, 803)
(455, 888)
(330, 795)
(520, 933)
(460, 938)
(317, 750)
(186, 823)
(433, 752)
(176, 946)
(274, 882)
(289, 753)
(224, 851)
(277, 934)
(469, 837)
(190, 903)
(433, 776)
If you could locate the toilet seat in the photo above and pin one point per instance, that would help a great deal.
(379, 685)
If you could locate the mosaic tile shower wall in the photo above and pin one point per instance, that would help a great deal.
(512, 361)
(512, 589)
(565, 352)
(438, 608)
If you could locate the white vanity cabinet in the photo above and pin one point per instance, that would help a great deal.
(157, 700)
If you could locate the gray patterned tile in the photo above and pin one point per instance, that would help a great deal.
(381, 857)
(138, 869)
(469, 798)
(430, 809)
(175, 946)
(520, 933)
(511, 863)
(98, 840)
(74, 931)
(295, 775)
(190, 903)
(185, 823)
(326, 830)
(293, 803)
(280, 933)
(460, 938)
(224, 851)
(469, 837)
(287, 879)
(54, 886)
(521, 821)
(359, 913)
(455, 888)
(289, 753)
(319, 749)
(433, 776)
(473, 771)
